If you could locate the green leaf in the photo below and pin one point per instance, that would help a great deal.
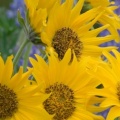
(22, 21)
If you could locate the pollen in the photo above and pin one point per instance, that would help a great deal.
(64, 39)
(8, 102)
(61, 102)
(118, 91)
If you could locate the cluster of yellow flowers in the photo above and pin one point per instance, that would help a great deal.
(75, 83)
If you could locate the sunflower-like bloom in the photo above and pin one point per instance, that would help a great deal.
(17, 99)
(38, 11)
(36, 20)
(38, 4)
(47, 4)
(96, 3)
(67, 85)
(67, 28)
(109, 75)
(109, 15)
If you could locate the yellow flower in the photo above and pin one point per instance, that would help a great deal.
(17, 99)
(67, 86)
(96, 3)
(38, 11)
(36, 20)
(109, 17)
(40, 4)
(47, 4)
(67, 28)
(109, 75)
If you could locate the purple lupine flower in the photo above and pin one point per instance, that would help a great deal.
(21, 62)
(110, 43)
(104, 113)
(34, 50)
(117, 11)
(14, 6)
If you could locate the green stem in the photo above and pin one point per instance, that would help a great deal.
(44, 57)
(17, 56)
(26, 56)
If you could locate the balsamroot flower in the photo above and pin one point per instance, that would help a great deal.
(38, 11)
(67, 28)
(109, 17)
(17, 98)
(67, 85)
(109, 75)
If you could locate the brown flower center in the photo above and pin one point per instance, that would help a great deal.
(60, 102)
(8, 102)
(64, 39)
(118, 90)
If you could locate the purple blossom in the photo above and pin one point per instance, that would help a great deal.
(117, 11)
(111, 43)
(104, 113)
(14, 6)
(34, 50)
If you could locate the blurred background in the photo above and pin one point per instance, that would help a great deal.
(9, 27)
(5, 3)
(11, 33)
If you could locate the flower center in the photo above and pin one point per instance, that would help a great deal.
(8, 102)
(60, 102)
(118, 90)
(64, 39)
